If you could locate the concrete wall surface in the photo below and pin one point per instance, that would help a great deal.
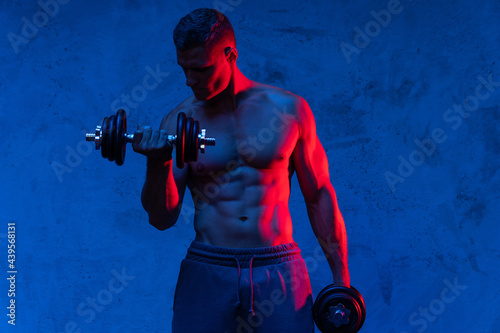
(405, 95)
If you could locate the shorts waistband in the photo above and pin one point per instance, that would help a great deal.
(225, 256)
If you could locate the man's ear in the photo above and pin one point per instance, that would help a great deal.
(231, 54)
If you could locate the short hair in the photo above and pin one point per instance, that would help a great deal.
(203, 27)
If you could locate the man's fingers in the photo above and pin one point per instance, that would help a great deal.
(154, 137)
(151, 143)
(137, 138)
(142, 135)
(163, 136)
(163, 140)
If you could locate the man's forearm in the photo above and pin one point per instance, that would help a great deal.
(160, 197)
(329, 228)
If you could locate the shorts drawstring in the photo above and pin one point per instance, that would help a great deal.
(251, 284)
(251, 288)
(238, 286)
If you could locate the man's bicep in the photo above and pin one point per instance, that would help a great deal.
(309, 157)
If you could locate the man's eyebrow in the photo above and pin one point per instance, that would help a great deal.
(197, 66)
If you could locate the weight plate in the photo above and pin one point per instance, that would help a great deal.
(104, 142)
(339, 299)
(180, 141)
(361, 302)
(188, 149)
(196, 132)
(110, 138)
(120, 143)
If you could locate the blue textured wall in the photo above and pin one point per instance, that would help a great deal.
(403, 108)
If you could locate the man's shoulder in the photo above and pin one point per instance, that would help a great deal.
(185, 105)
(170, 119)
(279, 98)
(290, 105)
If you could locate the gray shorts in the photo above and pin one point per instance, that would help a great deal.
(230, 290)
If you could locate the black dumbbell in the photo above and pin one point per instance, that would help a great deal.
(339, 310)
(112, 138)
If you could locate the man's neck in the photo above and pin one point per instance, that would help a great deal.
(227, 100)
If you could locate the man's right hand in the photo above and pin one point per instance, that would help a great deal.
(152, 144)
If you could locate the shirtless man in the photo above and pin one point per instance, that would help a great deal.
(243, 272)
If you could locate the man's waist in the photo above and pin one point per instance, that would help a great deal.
(234, 257)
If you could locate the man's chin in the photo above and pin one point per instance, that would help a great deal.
(202, 96)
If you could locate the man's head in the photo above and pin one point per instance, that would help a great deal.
(206, 51)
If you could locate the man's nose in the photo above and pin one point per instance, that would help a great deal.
(190, 80)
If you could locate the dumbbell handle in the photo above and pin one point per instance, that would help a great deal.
(204, 141)
(129, 138)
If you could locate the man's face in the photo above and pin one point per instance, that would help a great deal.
(207, 73)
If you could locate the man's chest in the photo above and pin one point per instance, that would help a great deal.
(258, 136)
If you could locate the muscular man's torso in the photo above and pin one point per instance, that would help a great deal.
(241, 186)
